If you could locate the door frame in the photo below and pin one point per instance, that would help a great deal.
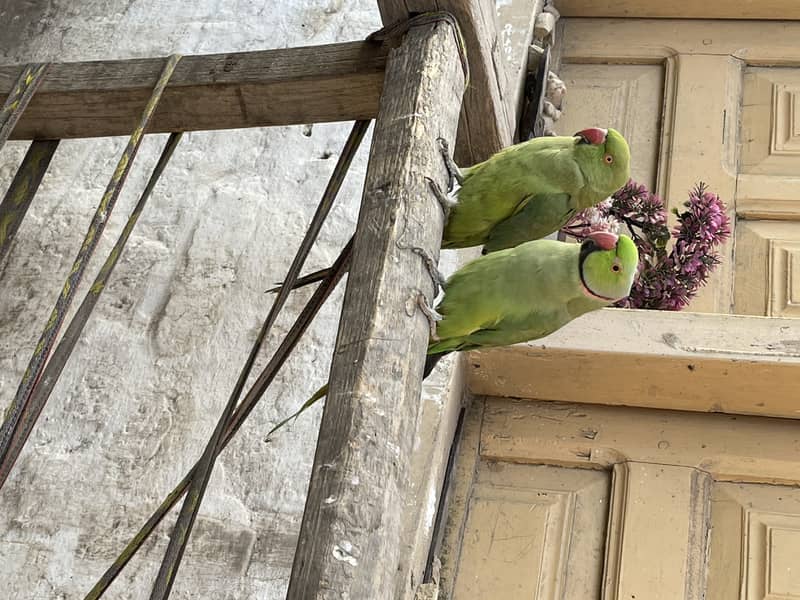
(783, 10)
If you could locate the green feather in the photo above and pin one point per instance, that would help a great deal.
(522, 294)
(529, 190)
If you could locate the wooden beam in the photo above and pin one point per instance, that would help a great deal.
(654, 359)
(335, 82)
(360, 486)
(571, 435)
(778, 10)
(485, 125)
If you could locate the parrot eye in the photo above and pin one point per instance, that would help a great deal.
(615, 267)
(608, 158)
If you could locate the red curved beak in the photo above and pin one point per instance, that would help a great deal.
(605, 239)
(593, 135)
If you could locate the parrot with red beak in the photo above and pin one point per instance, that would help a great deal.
(524, 293)
(530, 291)
(530, 190)
(526, 191)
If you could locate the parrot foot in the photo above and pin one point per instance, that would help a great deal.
(453, 172)
(439, 280)
(430, 314)
(445, 201)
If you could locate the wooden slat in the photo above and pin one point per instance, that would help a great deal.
(684, 361)
(485, 125)
(22, 190)
(728, 447)
(336, 82)
(682, 9)
(624, 41)
(360, 489)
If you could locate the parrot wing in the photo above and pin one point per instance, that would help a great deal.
(537, 216)
(505, 297)
(504, 185)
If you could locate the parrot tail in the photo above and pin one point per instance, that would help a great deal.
(304, 280)
(318, 395)
(430, 362)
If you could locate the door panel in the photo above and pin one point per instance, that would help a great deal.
(730, 97)
(771, 121)
(768, 268)
(628, 98)
(755, 530)
(689, 515)
(543, 522)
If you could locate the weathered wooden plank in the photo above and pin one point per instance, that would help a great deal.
(684, 361)
(335, 82)
(485, 125)
(783, 10)
(600, 41)
(360, 483)
(598, 437)
(515, 22)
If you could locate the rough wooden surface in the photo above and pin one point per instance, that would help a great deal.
(729, 447)
(20, 193)
(333, 82)
(463, 477)
(360, 479)
(485, 126)
(686, 9)
(685, 361)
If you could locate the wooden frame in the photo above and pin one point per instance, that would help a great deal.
(681, 9)
(335, 82)
(360, 482)
(486, 124)
(662, 470)
(699, 362)
(656, 359)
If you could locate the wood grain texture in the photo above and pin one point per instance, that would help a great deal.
(359, 488)
(335, 82)
(684, 361)
(465, 469)
(485, 125)
(685, 9)
(22, 190)
(728, 447)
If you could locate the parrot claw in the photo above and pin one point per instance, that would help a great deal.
(453, 172)
(439, 280)
(430, 314)
(445, 201)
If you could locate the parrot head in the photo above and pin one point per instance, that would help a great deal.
(605, 158)
(607, 265)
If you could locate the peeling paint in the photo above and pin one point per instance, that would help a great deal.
(342, 553)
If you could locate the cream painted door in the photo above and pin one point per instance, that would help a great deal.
(717, 101)
(556, 501)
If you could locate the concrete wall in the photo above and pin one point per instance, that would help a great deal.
(156, 363)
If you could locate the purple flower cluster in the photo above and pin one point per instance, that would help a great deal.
(668, 279)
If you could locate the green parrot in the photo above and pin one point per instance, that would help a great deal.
(526, 191)
(529, 291)
(529, 190)
(524, 293)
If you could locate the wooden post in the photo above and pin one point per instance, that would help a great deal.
(485, 127)
(348, 546)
